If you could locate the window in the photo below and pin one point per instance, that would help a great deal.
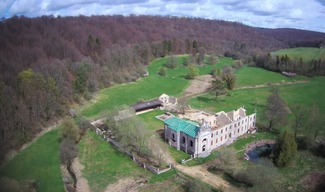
(204, 140)
(191, 143)
(211, 134)
(238, 123)
(238, 131)
(173, 136)
(221, 131)
(183, 139)
(217, 133)
(226, 128)
(216, 140)
(245, 120)
(211, 142)
(225, 136)
(221, 139)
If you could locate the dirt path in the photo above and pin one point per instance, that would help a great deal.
(82, 183)
(198, 85)
(272, 84)
(200, 172)
(11, 154)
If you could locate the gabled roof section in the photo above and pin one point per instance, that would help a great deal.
(147, 105)
(181, 125)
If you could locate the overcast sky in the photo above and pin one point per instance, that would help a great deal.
(301, 14)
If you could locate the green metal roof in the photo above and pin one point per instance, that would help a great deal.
(186, 127)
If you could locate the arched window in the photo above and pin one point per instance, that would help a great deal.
(203, 148)
(204, 140)
(191, 143)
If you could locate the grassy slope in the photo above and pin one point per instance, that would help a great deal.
(104, 164)
(40, 161)
(305, 53)
(148, 88)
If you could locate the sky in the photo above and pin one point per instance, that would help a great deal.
(300, 14)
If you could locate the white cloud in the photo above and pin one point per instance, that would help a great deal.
(304, 14)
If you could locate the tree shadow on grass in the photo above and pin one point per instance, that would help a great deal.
(205, 99)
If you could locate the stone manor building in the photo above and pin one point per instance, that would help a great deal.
(200, 132)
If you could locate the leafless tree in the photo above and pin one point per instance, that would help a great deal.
(276, 110)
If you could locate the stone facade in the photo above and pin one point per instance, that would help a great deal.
(202, 132)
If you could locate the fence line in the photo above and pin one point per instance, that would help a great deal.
(133, 157)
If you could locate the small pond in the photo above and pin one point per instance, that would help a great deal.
(260, 152)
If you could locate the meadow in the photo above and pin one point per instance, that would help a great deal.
(40, 162)
(306, 53)
(149, 87)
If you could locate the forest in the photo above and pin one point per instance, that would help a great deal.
(48, 63)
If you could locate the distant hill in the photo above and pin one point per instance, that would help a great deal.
(307, 54)
(296, 37)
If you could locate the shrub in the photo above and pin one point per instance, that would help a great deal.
(69, 130)
(192, 72)
(162, 71)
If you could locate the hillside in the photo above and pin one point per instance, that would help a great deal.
(47, 63)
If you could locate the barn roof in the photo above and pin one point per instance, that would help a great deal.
(147, 105)
(186, 127)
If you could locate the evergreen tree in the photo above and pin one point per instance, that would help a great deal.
(285, 149)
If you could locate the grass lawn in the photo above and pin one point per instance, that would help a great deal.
(150, 119)
(306, 53)
(248, 76)
(104, 164)
(40, 162)
(236, 99)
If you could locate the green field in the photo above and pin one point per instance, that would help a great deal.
(40, 162)
(104, 164)
(248, 76)
(147, 88)
(305, 53)
(151, 121)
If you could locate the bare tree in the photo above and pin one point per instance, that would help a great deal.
(276, 110)
(298, 123)
(158, 150)
(68, 151)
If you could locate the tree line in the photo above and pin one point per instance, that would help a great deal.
(314, 67)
